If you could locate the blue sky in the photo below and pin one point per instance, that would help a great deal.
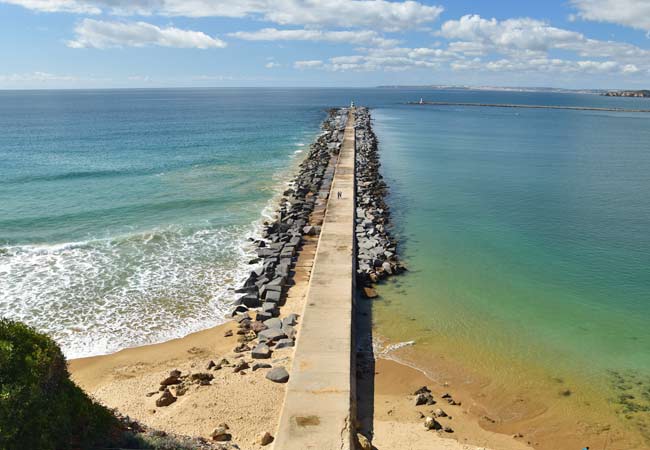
(157, 43)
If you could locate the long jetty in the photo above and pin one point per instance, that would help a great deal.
(515, 105)
(318, 411)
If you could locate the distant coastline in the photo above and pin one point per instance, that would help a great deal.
(497, 88)
(511, 105)
(641, 93)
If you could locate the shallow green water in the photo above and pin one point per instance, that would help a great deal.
(528, 238)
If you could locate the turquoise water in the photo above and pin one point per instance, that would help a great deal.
(123, 214)
(537, 222)
(527, 233)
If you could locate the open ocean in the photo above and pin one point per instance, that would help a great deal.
(124, 214)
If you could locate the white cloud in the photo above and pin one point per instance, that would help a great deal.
(528, 43)
(100, 34)
(520, 45)
(35, 76)
(362, 37)
(379, 14)
(516, 34)
(630, 13)
(272, 65)
(310, 64)
(70, 6)
(475, 35)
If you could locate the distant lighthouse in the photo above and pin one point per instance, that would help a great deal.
(352, 104)
(421, 101)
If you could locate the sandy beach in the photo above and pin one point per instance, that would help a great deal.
(251, 405)
(246, 401)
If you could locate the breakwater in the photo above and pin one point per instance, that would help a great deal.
(264, 291)
(318, 410)
(514, 105)
(355, 248)
(376, 249)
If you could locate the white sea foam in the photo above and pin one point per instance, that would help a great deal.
(100, 296)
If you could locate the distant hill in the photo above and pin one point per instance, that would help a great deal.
(641, 93)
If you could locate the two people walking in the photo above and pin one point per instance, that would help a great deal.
(339, 194)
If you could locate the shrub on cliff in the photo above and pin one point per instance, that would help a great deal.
(40, 407)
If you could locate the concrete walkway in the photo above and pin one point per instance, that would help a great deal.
(318, 407)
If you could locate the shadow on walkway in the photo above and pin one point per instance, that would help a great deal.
(365, 366)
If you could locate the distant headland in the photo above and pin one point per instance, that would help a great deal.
(640, 93)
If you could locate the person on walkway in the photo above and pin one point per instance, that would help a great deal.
(339, 194)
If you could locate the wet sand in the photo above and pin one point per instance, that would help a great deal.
(555, 415)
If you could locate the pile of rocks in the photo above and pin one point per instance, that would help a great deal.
(257, 310)
(424, 397)
(277, 251)
(376, 249)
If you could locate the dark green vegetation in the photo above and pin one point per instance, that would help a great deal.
(42, 409)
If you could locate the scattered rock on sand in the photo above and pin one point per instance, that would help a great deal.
(227, 333)
(424, 398)
(431, 424)
(261, 366)
(241, 348)
(364, 443)
(448, 429)
(170, 380)
(265, 439)
(440, 413)
(202, 378)
(221, 433)
(241, 365)
(278, 375)
(165, 399)
(181, 389)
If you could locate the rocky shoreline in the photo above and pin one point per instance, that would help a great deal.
(377, 256)
(257, 311)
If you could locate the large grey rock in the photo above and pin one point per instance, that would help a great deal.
(273, 323)
(289, 321)
(257, 366)
(284, 343)
(271, 335)
(261, 351)
(278, 375)
(273, 296)
(289, 331)
(262, 316)
(271, 308)
(278, 281)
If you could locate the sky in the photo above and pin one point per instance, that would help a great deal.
(332, 43)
